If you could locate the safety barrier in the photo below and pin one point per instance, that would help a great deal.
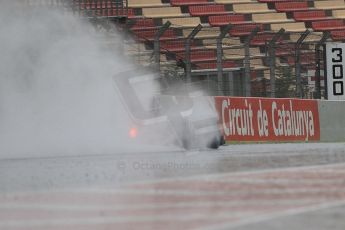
(282, 120)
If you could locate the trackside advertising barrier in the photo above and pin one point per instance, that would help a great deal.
(263, 119)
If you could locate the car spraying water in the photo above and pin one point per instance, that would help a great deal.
(191, 121)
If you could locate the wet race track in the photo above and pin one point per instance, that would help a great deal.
(257, 186)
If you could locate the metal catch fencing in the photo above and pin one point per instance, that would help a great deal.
(268, 64)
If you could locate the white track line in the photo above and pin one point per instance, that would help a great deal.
(262, 218)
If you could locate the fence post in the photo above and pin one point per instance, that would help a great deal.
(317, 93)
(272, 60)
(247, 78)
(188, 51)
(126, 6)
(220, 38)
(156, 44)
(299, 90)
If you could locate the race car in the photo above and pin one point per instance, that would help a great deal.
(158, 115)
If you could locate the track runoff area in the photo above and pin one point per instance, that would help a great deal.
(256, 186)
(253, 186)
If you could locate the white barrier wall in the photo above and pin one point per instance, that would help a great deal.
(332, 120)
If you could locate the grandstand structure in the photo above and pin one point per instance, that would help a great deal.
(270, 48)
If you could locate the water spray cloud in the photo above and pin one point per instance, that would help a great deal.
(56, 90)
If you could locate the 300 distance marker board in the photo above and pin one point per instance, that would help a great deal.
(335, 65)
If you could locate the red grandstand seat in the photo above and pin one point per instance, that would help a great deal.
(286, 49)
(150, 34)
(222, 20)
(306, 59)
(201, 10)
(109, 13)
(213, 64)
(338, 35)
(291, 6)
(130, 13)
(176, 46)
(244, 29)
(143, 24)
(263, 39)
(187, 2)
(95, 5)
(327, 25)
(201, 55)
(311, 15)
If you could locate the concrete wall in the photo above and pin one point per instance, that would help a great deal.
(332, 120)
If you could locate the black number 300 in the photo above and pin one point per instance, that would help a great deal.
(337, 72)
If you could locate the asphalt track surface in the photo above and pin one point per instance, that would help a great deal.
(242, 187)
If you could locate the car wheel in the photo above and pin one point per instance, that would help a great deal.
(215, 143)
